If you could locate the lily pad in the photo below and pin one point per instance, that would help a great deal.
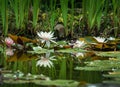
(61, 83)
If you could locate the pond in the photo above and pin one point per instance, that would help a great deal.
(61, 65)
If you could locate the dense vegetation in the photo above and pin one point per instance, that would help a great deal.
(79, 17)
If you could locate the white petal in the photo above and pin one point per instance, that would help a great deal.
(48, 43)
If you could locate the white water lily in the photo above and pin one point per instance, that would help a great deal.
(100, 39)
(79, 54)
(46, 37)
(45, 61)
(111, 38)
(78, 44)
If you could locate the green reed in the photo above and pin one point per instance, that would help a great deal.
(4, 15)
(22, 9)
(72, 18)
(15, 7)
(4, 21)
(64, 8)
(19, 10)
(36, 4)
(92, 11)
(53, 13)
(116, 15)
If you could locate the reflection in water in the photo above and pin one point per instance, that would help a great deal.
(63, 67)
(1, 77)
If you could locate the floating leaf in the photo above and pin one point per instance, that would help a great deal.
(70, 50)
(104, 46)
(20, 57)
(20, 39)
(109, 54)
(40, 51)
(61, 83)
(88, 39)
(100, 65)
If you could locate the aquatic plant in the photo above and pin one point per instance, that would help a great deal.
(35, 9)
(53, 13)
(4, 15)
(93, 11)
(78, 44)
(64, 8)
(9, 42)
(79, 54)
(45, 61)
(46, 37)
(115, 11)
(100, 65)
(19, 9)
(9, 52)
(100, 39)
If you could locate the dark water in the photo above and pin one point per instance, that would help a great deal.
(94, 78)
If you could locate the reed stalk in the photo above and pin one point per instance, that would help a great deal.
(72, 18)
(4, 15)
(22, 9)
(53, 13)
(64, 8)
(19, 9)
(92, 11)
(116, 15)
(15, 7)
(36, 4)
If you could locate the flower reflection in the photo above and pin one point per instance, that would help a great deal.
(9, 52)
(45, 61)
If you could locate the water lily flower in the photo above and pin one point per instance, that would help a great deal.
(9, 52)
(100, 39)
(46, 37)
(45, 61)
(79, 54)
(78, 44)
(111, 38)
(9, 42)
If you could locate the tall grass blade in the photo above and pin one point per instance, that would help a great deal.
(4, 15)
(15, 7)
(53, 13)
(64, 8)
(36, 4)
(93, 10)
(116, 9)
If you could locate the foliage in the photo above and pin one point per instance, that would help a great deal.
(100, 65)
(35, 8)
(4, 15)
(19, 9)
(110, 54)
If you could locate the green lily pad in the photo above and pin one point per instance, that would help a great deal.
(61, 83)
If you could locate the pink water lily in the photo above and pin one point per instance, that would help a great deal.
(9, 42)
